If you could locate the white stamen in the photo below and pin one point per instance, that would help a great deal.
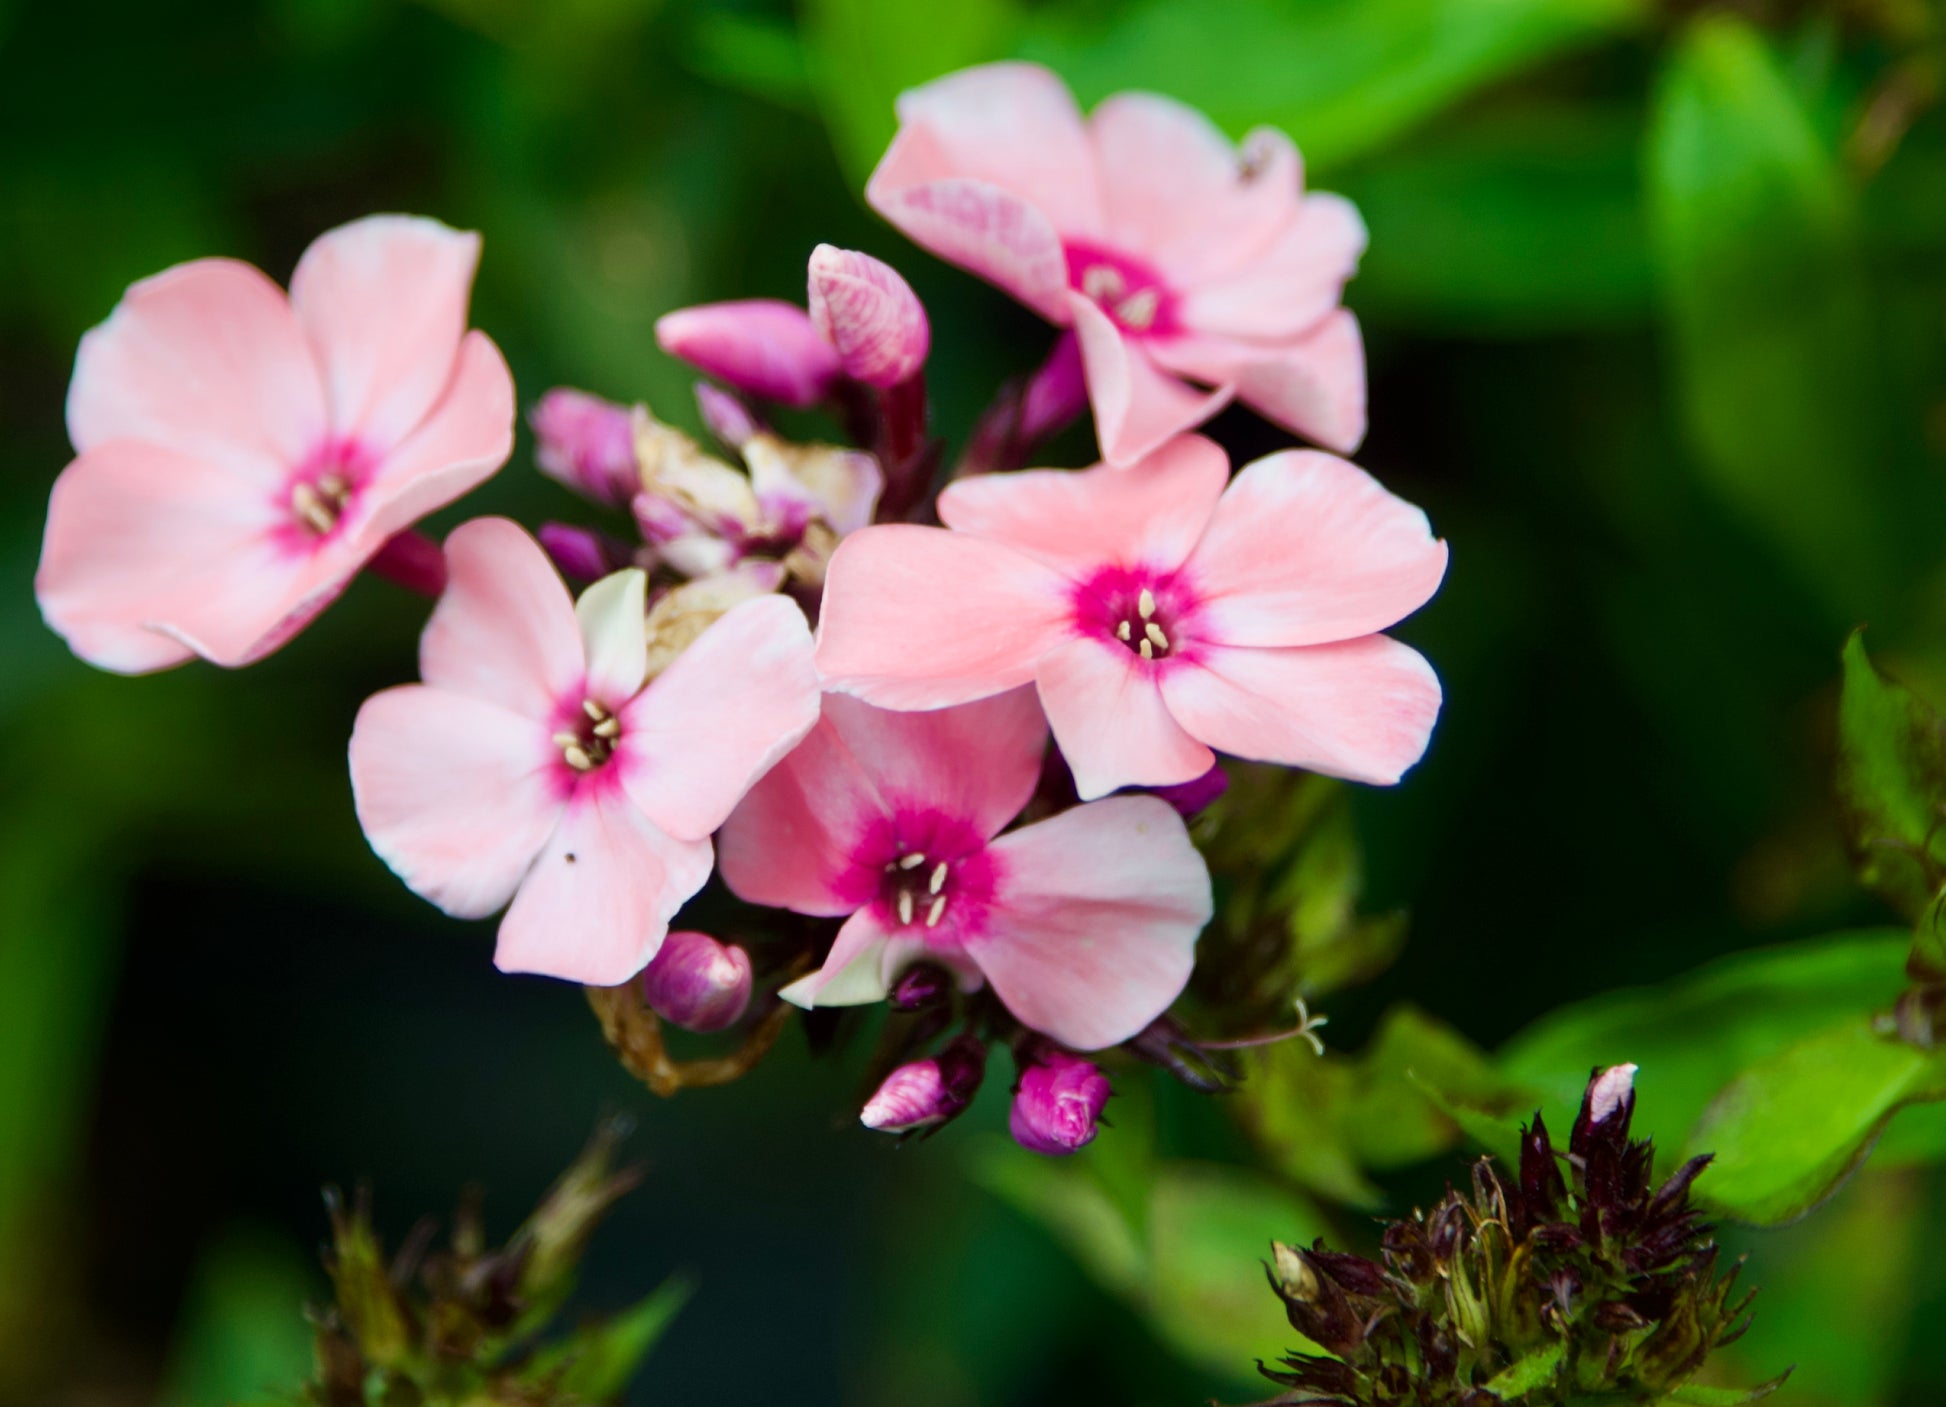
(1138, 310)
(905, 906)
(1102, 283)
(315, 512)
(1148, 650)
(593, 710)
(1122, 631)
(1145, 603)
(938, 880)
(912, 861)
(1154, 632)
(610, 727)
(576, 758)
(333, 486)
(933, 914)
(567, 740)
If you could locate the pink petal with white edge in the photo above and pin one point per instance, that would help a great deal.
(1181, 195)
(613, 616)
(205, 359)
(504, 631)
(988, 231)
(1138, 406)
(921, 618)
(597, 904)
(1362, 710)
(1289, 287)
(139, 535)
(1313, 386)
(1011, 125)
(455, 794)
(720, 717)
(1095, 923)
(1306, 549)
(1109, 720)
(1150, 515)
(383, 301)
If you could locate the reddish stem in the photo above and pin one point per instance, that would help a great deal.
(412, 560)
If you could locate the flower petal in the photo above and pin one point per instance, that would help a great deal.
(456, 795)
(1078, 522)
(1138, 405)
(597, 904)
(383, 301)
(454, 449)
(1313, 385)
(720, 717)
(1286, 289)
(1305, 549)
(764, 346)
(1095, 921)
(207, 360)
(921, 618)
(614, 618)
(504, 631)
(1110, 722)
(864, 958)
(1362, 709)
(984, 229)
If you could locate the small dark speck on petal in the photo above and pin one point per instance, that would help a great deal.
(570, 857)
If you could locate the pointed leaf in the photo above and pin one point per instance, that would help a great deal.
(1891, 780)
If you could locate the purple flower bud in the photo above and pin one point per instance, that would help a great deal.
(1612, 1092)
(1059, 1100)
(759, 345)
(582, 554)
(922, 986)
(1057, 394)
(586, 443)
(1191, 798)
(697, 982)
(926, 1093)
(728, 418)
(871, 315)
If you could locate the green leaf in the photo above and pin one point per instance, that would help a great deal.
(752, 54)
(1697, 1395)
(1537, 1369)
(1891, 784)
(242, 1329)
(600, 1360)
(1927, 960)
(1787, 1132)
(1755, 231)
(1496, 1129)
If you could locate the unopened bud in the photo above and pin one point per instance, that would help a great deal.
(1058, 1104)
(728, 418)
(586, 443)
(697, 982)
(1191, 798)
(926, 1093)
(1611, 1091)
(760, 345)
(582, 554)
(870, 314)
(1293, 1274)
(922, 986)
(1057, 393)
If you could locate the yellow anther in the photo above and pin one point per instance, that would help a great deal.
(1145, 603)
(1148, 650)
(1122, 631)
(576, 758)
(612, 727)
(1154, 632)
(593, 710)
(1138, 310)
(933, 914)
(905, 906)
(912, 861)
(938, 880)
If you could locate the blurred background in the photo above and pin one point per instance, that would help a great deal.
(1656, 307)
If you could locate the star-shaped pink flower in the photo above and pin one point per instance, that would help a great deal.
(241, 454)
(536, 765)
(1161, 612)
(1175, 256)
(1085, 923)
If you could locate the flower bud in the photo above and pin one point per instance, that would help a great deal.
(582, 554)
(870, 315)
(1058, 1103)
(1292, 1274)
(1192, 798)
(587, 444)
(1057, 393)
(728, 418)
(697, 982)
(922, 986)
(1611, 1090)
(760, 345)
(926, 1093)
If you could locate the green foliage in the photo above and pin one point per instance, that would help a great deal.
(1891, 783)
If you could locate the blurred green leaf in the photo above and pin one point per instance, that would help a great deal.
(597, 1363)
(1891, 782)
(1788, 1131)
(1701, 1395)
(752, 54)
(242, 1330)
(1755, 230)
(1535, 1370)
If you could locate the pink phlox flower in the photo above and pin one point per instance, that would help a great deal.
(587, 444)
(1174, 255)
(241, 454)
(538, 764)
(1084, 924)
(1161, 614)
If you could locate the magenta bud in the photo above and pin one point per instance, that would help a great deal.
(728, 418)
(759, 345)
(922, 986)
(697, 982)
(1057, 394)
(586, 443)
(870, 314)
(582, 554)
(923, 1094)
(1191, 798)
(1058, 1104)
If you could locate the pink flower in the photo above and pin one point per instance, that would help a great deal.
(536, 765)
(870, 315)
(1058, 1103)
(1159, 613)
(764, 346)
(241, 454)
(1085, 923)
(1172, 253)
(587, 444)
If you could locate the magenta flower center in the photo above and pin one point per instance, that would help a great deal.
(325, 485)
(1127, 289)
(1148, 613)
(587, 740)
(928, 872)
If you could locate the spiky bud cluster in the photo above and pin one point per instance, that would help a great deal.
(1577, 1280)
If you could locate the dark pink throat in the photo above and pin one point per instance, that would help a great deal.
(1151, 614)
(925, 874)
(323, 491)
(1131, 292)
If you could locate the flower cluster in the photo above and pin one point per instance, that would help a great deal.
(937, 727)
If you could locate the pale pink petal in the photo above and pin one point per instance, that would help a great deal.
(1109, 721)
(1010, 125)
(1149, 515)
(383, 301)
(978, 761)
(1138, 405)
(721, 716)
(504, 631)
(139, 536)
(1093, 929)
(1306, 549)
(1362, 710)
(1314, 386)
(613, 616)
(1286, 289)
(455, 794)
(984, 229)
(597, 904)
(764, 346)
(921, 618)
(863, 959)
(790, 842)
(1179, 194)
(207, 360)
(457, 447)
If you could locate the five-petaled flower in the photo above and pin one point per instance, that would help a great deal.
(536, 765)
(1161, 612)
(242, 454)
(1172, 253)
(1084, 923)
